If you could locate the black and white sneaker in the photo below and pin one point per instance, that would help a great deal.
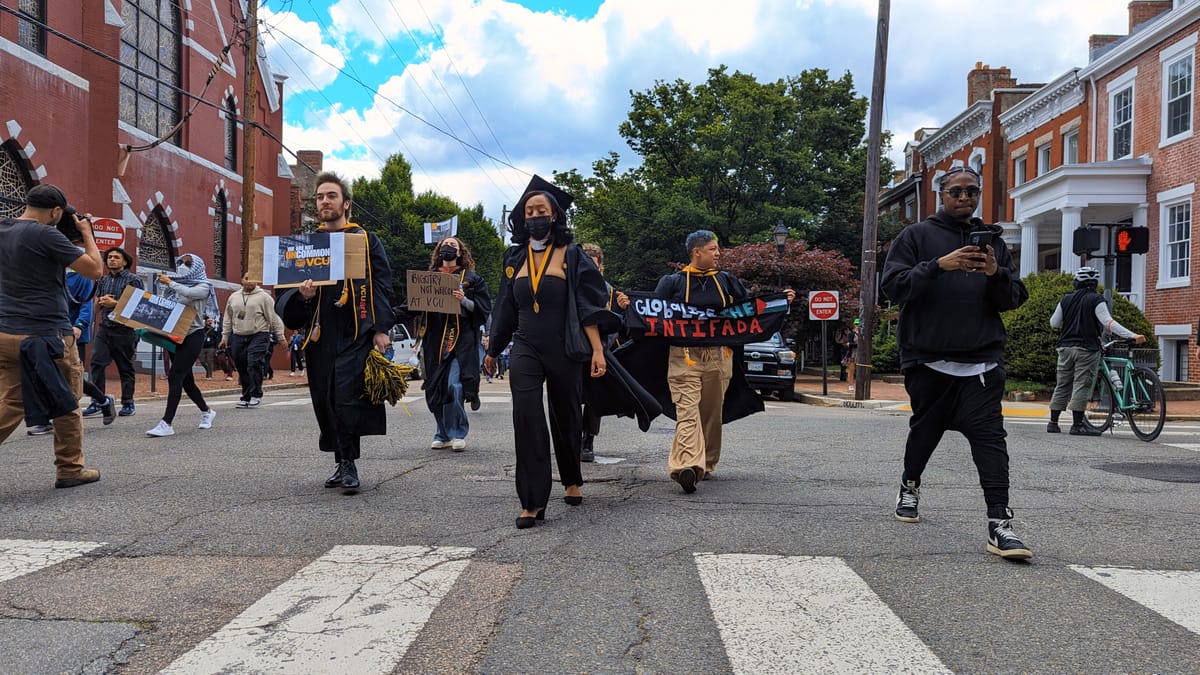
(906, 502)
(1002, 541)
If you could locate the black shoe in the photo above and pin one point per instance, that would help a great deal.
(126, 410)
(526, 522)
(1052, 428)
(1002, 541)
(474, 401)
(335, 481)
(906, 502)
(93, 409)
(687, 480)
(1080, 430)
(349, 477)
(573, 500)
(109, 409)
(586, 453)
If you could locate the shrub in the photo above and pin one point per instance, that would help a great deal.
(885, 356)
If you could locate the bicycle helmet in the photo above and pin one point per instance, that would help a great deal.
(1085, 274)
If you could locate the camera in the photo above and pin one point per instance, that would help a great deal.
(66, 225)
(980, 238)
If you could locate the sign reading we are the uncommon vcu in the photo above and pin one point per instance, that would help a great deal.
(683, 325)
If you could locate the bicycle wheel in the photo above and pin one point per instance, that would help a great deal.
(1149, 404)
(1098, 415)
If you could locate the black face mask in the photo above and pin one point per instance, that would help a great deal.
(449, 253)
(538, 227)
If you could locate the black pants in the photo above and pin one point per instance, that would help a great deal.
(942, 403)
(89, 389)
(591, 421)
(250, 357)
(114, 344)
(335, 437)
(180, 377)
(297, 360)
(528, 369)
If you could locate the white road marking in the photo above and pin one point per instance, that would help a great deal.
(1174, 594)
(355, 609)
(787, 614)
(1194, 447)
(19, 557)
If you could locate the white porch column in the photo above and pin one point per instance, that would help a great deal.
(1137, 264)
(1072, 217)
(1029, 248)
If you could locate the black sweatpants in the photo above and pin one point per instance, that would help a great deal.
(180, 378)
(114, 344)
(250, 354)
(968, 405)
(528, 369)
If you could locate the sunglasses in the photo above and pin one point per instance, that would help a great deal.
(958, 192)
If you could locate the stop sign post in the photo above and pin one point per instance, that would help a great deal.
(108, 233)
(824, 306)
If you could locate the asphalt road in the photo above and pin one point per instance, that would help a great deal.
(788, 561)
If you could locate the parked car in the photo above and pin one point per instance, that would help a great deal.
(771, 367)
(404, 349)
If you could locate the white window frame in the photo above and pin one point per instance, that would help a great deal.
(1020, 170)
(1119, 85)
(1069, 138)
(1044, 158)
(1184, 50)
(1168, 200)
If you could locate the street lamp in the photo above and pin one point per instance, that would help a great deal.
(780, 235)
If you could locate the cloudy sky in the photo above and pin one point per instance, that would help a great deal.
(480, 94)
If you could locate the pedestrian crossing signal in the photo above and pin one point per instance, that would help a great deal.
(1132, 240)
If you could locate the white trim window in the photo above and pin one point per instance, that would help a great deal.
(1120, 109)
(1071, 148)
(1019, 171)
(1175, 236)
(1043, 159)
(1178, 85)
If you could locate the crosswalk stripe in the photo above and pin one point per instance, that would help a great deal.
(788, 614)
(19, 557)
(1175, 594)
(355, 609)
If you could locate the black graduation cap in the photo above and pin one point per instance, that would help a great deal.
(539, 184)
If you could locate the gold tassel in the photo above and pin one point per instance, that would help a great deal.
(687, 357)
(726, 352)
(384, 380)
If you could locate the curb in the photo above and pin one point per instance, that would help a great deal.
(231, 390)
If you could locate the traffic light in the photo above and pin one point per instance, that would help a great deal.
(1086, 241)
(1132, 240)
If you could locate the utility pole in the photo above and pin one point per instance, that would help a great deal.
(249, 115)
(870, 233)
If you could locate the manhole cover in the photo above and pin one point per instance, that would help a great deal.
(1170, 472)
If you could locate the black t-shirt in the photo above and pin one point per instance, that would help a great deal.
(33, 289)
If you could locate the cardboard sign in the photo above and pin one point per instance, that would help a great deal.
(324, 257)
(433, 292)
(141, 309)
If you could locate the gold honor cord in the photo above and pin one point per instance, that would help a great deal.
(535, 276)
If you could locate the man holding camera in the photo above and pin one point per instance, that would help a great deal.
(952, 276)
(113, 342)
(33, 305)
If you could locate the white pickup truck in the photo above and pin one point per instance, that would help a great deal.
(404, 349)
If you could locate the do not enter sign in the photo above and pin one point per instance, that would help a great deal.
(108, 233)
(823, 305)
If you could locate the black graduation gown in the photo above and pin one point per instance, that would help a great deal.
(466, 347)
(339, 340)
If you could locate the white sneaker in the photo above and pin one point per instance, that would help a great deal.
(163, 429)
(458, 444)
(438, 445)
(254, 403)
(243, 403)
(206, 419)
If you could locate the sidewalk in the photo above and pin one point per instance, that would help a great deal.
(217, 386)
(892, 396)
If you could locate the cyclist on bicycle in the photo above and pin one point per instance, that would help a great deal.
(1082, 316)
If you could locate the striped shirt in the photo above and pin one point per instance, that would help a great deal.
(114, 285)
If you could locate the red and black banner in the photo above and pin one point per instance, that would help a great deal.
(683, 325)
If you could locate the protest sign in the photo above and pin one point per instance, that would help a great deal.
(433, 292)
(141, 309)
(324, 257)
(751, 320)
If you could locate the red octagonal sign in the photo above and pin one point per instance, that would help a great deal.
(108, 233)
(822, 305)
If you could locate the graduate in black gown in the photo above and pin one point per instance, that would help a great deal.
(343, 323)
(551, 304)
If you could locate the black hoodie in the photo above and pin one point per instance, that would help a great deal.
(955, 315)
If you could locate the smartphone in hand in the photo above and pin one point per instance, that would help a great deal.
(980, 238)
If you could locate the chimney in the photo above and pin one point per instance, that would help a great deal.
(1141, 11)
(983, 79)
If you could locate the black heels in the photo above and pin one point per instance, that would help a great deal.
(525, 522)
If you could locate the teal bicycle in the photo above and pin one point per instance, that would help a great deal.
(1139, 396)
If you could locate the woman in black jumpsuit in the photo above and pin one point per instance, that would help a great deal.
(542, 271)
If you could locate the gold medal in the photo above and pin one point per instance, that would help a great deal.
(536, 308)
(535, 275)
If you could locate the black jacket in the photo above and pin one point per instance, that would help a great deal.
(955, 315)
(1079, 326)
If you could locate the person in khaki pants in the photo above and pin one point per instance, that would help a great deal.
(33, 303)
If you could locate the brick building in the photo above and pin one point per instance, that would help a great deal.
(81, 82)
(1111, 142)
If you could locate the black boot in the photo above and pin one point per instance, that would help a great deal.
(586, 453)
(335, 480)
(349, 477)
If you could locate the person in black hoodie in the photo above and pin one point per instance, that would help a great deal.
(952, 276)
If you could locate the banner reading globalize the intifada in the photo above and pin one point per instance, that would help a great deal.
(435, 232)
(751, 320)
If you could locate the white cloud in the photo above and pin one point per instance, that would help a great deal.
(306, 70)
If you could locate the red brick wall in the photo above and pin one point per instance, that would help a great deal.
(1141, 11)
(1057, 146)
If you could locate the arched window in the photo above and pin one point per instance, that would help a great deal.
(150, 56)
(220, 220)
(14, 181)
(230, 134)
(31, 15)
(156, 245)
